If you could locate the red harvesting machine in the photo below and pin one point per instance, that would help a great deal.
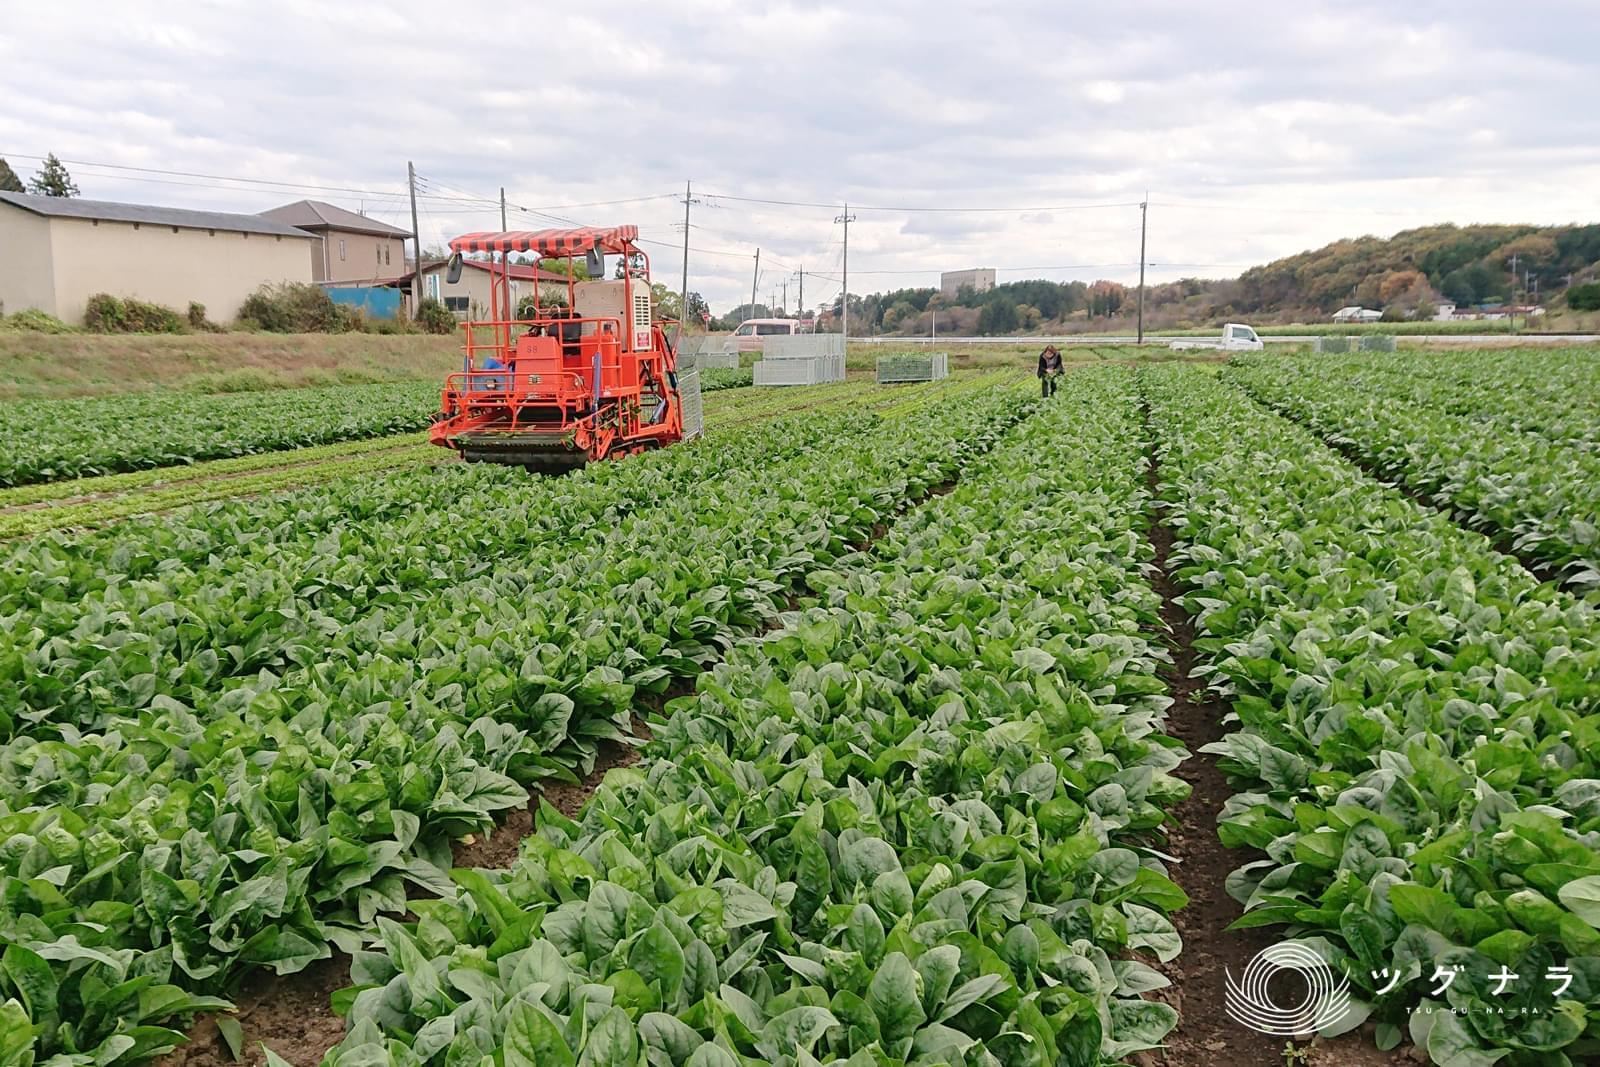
(553, 389)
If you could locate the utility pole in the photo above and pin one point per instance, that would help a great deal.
(801, 299)
(755, 277)
(844, 304)
(416, 240)
(1513, 315)
(503, 225)
(1144, 218)
(683, 293)
(785, 304)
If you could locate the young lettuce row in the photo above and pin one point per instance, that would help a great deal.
(912, 826)
(47, 440)
(1492, 450)
(1416, 734)
(169, 843)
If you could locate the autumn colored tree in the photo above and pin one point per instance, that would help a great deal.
(1532, 250)
(1107, 298)
(1397, 283)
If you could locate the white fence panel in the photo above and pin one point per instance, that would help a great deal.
(913, 367)
(694, 423)
(799, 370)
(800, 345)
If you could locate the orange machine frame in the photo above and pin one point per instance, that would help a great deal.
(568, 389)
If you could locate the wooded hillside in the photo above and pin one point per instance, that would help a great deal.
(1404, 275)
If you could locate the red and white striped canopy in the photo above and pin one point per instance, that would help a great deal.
(613, 239)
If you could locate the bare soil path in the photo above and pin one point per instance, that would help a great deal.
(1205, 1034)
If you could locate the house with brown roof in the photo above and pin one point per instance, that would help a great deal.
(350, 248)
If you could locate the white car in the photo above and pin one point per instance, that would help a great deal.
(1236, 337)
(752, 333)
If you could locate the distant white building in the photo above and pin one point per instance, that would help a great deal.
(1354, 313)
(1444, 311)
(1500, 311)
(979, 279)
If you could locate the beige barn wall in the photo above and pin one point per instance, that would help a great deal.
(168, 265)
(26, 279)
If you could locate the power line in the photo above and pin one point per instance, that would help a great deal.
(1259, 209)
(212, 177)
(313, 187)
(1066, 266)
(910, 207)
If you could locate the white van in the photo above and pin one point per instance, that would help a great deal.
(749, 336)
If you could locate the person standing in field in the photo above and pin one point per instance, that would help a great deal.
(1049, 370)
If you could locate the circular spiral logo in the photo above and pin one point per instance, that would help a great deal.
(1250, 1000)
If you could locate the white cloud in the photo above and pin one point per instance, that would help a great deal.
(1102, 91)
(1258, 131)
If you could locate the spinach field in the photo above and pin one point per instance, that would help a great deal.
(860, 731)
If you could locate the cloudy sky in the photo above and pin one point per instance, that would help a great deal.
(1017, 135)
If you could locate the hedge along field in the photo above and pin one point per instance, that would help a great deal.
(207, 772)
(1511, 440)
(1416, 739)
(914, 824)
(47, 440)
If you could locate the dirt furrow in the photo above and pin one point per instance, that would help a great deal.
(1205, 1034)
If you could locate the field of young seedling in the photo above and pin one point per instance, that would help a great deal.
(929, 725)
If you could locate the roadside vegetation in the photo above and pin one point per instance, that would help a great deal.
(46, 366)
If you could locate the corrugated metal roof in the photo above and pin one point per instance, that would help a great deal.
(62, 207)
(316, 215)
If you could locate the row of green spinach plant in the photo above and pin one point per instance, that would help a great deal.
(49, 440)
(1415, 735)
(183, 800)
(1508, 441)
(920, 823)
